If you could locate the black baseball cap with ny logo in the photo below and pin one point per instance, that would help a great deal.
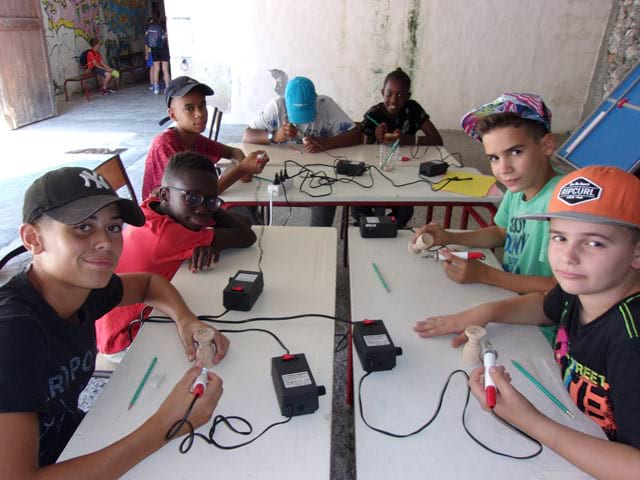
(70, 195)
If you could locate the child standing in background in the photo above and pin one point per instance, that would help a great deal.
(148, 56)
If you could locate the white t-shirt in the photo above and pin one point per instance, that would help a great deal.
(330, 119)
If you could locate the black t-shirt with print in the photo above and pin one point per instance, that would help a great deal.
(45, 361)
(600, 362)
(408, 121)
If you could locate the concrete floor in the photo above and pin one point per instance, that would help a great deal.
(129, 120)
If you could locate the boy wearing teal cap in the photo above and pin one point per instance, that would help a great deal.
(304, 117)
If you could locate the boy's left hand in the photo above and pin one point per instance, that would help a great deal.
(446, 325)
(461, 270)
(203, 258)
(186, 330)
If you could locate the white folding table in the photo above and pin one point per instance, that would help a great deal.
(402, 399)
(299, 266)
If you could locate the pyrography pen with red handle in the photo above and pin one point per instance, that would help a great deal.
(470, 255)
(489, 356)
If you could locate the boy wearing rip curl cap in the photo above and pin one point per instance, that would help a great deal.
(594, 252)
(73, 228)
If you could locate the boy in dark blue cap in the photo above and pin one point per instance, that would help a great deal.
(187, 106)
(73, 228)
(304, 117)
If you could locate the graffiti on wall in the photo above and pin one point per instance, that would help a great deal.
(124, 18)
(70, 24)
(81, 16)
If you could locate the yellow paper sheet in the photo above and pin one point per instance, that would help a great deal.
(477, 186)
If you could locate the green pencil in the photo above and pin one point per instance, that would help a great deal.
(394, 147)
(543, 389)
(144, 380)
(262, 178)
(372, 120)
(384, 284)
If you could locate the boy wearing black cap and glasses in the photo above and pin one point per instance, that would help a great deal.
(73, 228)
(183, 222)
(187, 106)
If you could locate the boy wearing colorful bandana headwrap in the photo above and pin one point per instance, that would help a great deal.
(515, 132)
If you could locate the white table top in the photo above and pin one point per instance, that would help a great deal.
(351, 193)
(402, 399)
(299, 266)
(359, 153)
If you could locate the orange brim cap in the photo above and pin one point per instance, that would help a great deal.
(596, 194)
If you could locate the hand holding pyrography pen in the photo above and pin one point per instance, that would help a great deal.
(204, 353)
(489, 356)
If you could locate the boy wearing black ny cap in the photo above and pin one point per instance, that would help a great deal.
(187, 106)
(73, 228)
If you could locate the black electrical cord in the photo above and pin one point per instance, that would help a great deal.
(464, 424)
(260, 249)
(416, 155)
(320, 179)
(288, 204)
(341, 344)
(187, 441)
(207, 318)
(261, 330)
(435, 186)
(343, 341)
(155, 319)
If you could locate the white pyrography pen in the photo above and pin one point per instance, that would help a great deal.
(205, 353)
(489, 356)
(470, 255)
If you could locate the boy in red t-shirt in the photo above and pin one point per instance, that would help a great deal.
(187, 106)
(96, 64)
(183, 222)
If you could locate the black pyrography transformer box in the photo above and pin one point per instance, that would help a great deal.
(243, 290)
(295, 387)
(374, 346)
(350, 168)
(378, 227)
(433, 168)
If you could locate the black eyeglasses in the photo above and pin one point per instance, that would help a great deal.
(195, 199)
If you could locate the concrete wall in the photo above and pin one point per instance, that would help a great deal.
(460, 53)
(70, 24)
